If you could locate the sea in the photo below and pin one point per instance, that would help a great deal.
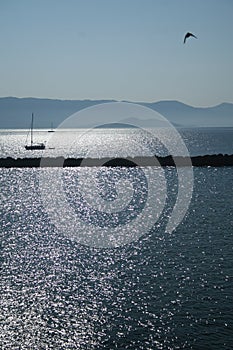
(116, 258)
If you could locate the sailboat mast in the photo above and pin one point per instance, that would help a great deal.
(32, 131)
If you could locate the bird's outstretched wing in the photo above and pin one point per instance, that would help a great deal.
(193, 35)
(187, 35)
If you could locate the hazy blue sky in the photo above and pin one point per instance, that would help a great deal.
(117, 49)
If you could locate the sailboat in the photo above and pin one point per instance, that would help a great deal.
(32, 145)
(51, 130)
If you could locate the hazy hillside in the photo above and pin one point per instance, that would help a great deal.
(181, 114)
(16, 112)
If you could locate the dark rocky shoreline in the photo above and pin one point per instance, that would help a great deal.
(215, 160)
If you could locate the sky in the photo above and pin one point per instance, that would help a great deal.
(117, 49)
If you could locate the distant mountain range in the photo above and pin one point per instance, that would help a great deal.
(16, 112)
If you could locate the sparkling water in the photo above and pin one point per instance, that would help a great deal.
(158, 290)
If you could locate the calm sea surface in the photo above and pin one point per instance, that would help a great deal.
(115, 142)
(160, 291)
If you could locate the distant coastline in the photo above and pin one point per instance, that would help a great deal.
(15, 113)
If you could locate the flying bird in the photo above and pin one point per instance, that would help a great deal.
(187, 35)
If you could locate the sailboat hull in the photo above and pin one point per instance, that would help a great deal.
(33, 147)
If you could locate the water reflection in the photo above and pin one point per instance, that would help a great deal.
(162, 291)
